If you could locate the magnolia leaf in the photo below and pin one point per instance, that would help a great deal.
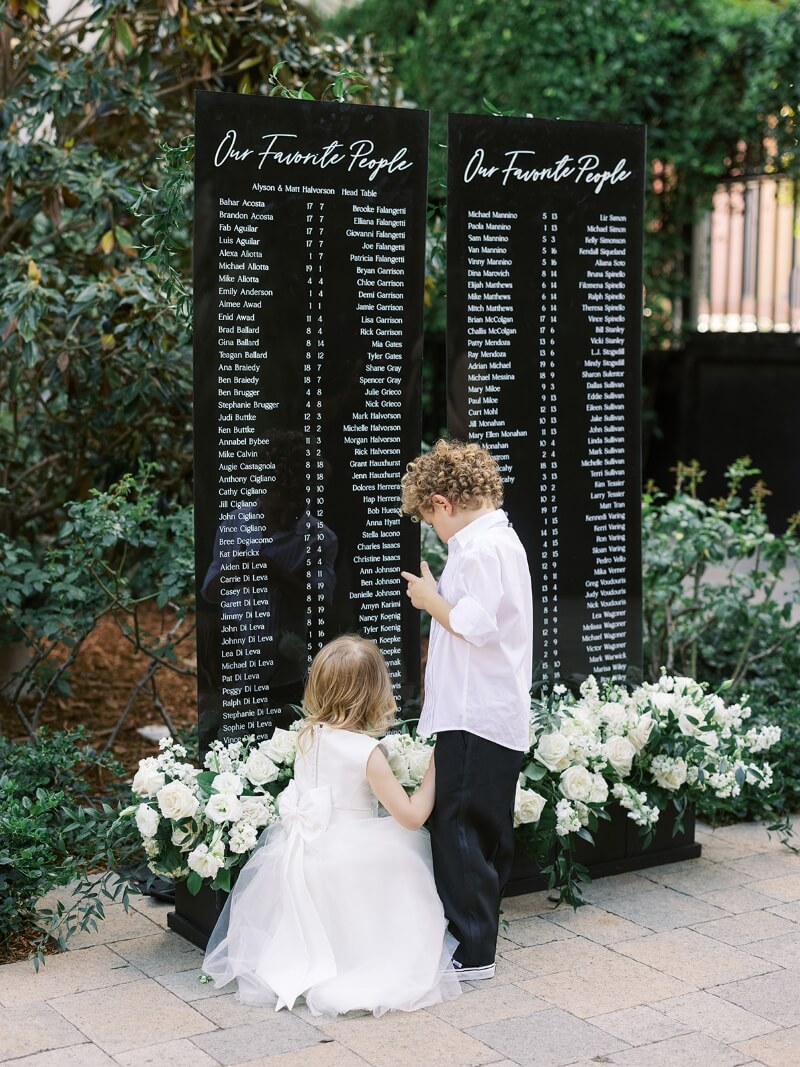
(534, 772)
(107, 242)
(251, 61)
(63, 361)
(126, 37)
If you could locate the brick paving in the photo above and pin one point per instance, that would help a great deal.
(691, 963)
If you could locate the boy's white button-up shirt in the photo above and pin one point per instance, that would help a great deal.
(480, 681)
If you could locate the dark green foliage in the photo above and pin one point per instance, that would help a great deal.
(117, 553)
(95, 361)
(55, 831)
(722, 603)
(716, 82)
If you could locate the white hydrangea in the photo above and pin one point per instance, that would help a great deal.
(760, 738)
(669, 771)
(151, 847)
(724, 783)
(567, 819)
(635, 804)
(242, 837)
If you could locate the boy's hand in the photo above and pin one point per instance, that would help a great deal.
(421, 588)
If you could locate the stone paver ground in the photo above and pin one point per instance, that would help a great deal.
(694, 963)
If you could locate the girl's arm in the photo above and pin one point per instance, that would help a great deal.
(410, 812)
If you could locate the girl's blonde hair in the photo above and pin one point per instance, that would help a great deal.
(349, 687)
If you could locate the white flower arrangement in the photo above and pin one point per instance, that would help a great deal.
(200, 825)
(661, 745)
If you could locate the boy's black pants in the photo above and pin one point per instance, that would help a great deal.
(472, 837)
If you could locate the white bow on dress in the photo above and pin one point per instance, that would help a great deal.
(304, 817)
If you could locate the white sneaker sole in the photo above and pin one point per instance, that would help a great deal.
(475, 974)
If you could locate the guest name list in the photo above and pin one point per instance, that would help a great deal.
(309, 258)
(544, 324)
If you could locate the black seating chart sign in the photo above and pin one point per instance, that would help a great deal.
(544, 241)
(309, 258)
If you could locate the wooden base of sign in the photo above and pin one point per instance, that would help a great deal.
(617, 849)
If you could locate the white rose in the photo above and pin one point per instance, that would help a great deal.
(176, 801)
(259, 768)
(227, 782)
(639, 735)
(576, 783)
(223, 807)
(206, 863)
(418, 758)
(619, 753)
(148, 779)
(281, 747)
(528, 806)
(255, 812)
(147, 820)
(553, 751)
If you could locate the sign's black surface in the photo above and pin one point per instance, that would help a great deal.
(309, 258)
(544, 338)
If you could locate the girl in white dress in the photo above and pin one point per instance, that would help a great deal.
(337, 904)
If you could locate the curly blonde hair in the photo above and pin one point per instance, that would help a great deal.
(349, 687)
(465, 474)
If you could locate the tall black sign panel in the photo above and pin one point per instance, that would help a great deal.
(544, 325)
(309, 258)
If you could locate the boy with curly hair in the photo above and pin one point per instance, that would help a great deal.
(477, 685)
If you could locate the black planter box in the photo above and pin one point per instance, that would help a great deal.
(617, 849)
(195, 916)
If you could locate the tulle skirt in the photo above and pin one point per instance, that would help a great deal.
(349, 920)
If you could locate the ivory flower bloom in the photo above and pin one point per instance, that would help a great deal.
(177, 801)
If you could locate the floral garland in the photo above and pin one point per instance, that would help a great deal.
(658, 746)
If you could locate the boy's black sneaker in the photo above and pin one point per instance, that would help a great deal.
(474, 974)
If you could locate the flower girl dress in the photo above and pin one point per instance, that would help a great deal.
(336, 904)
